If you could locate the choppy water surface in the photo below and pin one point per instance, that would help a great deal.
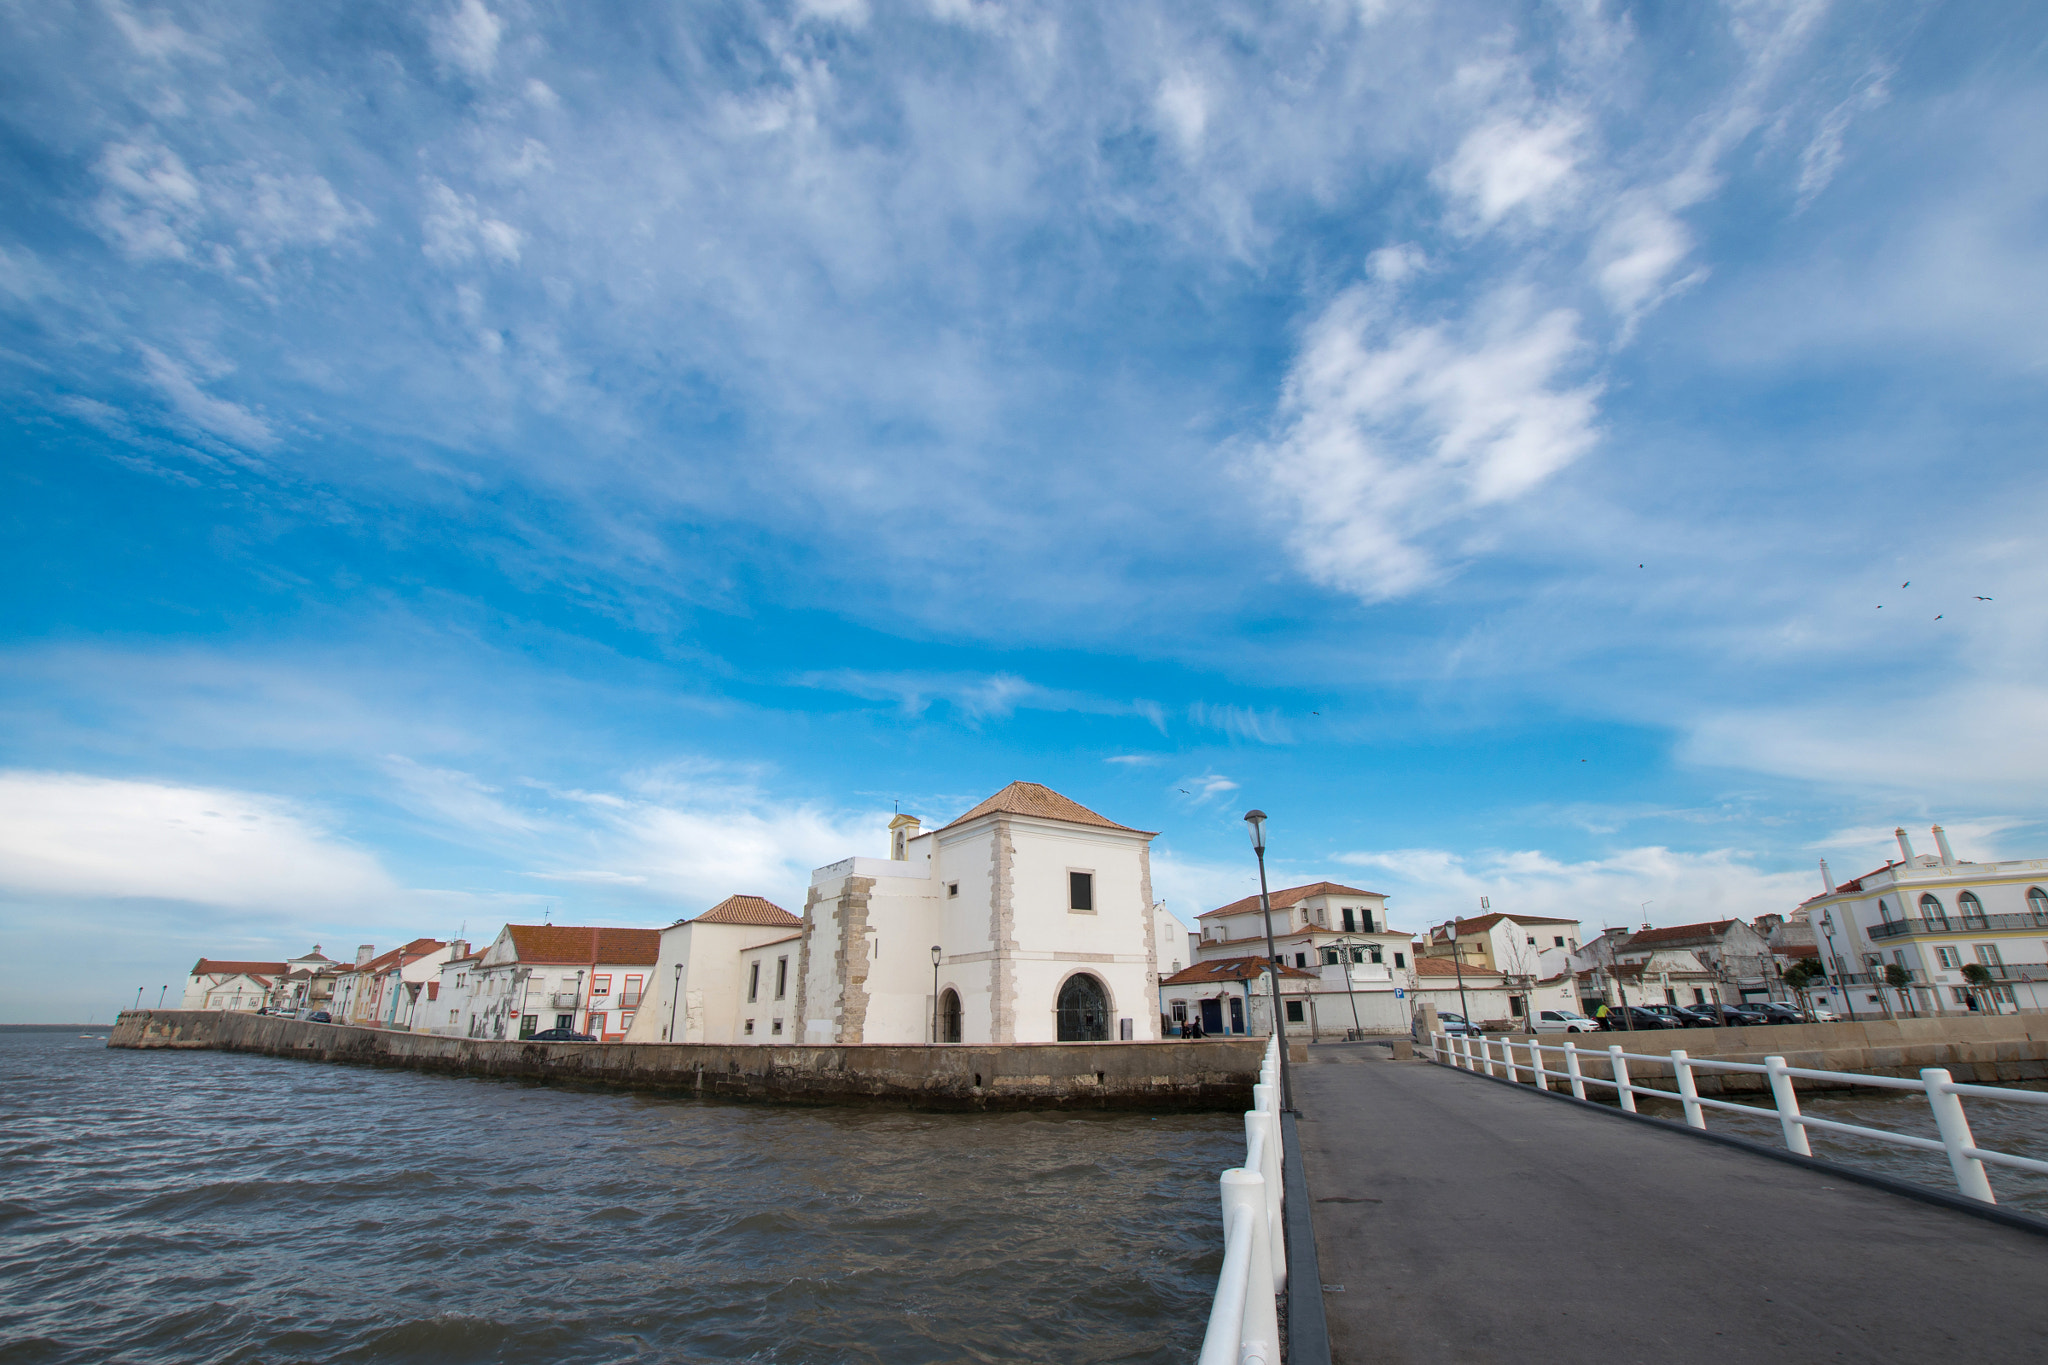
(2017, 1128)
(200, 1206)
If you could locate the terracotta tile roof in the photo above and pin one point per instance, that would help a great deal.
(747, 910)
(1679, 933)
(207, 966)
(1293, 895)
(1032, 798)
(1484, 922)
(572, 944)
(1231, 969)
(1443, 966)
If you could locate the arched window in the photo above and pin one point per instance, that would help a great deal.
(2037, 902)
(1972, 909)
(1932, 909)
(1884, 910)
(1083, 1011)
(949, 1016)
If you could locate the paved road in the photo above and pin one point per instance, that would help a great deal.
(1470, 1222)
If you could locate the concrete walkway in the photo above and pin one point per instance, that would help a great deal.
(1471, 1222)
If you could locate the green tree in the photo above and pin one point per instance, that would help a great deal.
(1898, 978)
(1801, 975)
(1979, 976)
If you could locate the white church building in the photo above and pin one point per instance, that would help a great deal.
(1027, 920)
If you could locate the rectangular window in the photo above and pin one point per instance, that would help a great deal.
(1330, 957)
(775, 1027)
(1080, 891)
(1180, 1011)
(1671, 997)
(1531, 938)
(636, 986)
(1947, 958)
(1987, 953)
(565, 1021)
(601, 984)
(1301, 959)
(1400, 959)
(1515, 1006)
(596, 1025)
(625, 1020)
(1350, 920)
(1699, 997)
(952, 889)
(1559, 940)
(1365, 921)
(781, 977)
(1358, 955)
(1294, 1011)
(753, 984)
(750, 1026)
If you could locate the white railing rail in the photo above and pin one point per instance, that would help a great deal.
(1944, 1095)
(1244, 1321)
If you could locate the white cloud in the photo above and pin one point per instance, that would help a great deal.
(1427, 886)
(1823, 155)
(1510, 166)
(1205, 787)
(851, 13)
(453, 231)
(1242, 722)
(1393, 429)
(466, 37)
(77, 837)
(202, 411)
(150, 202)
(1183, 108)
(974, 695)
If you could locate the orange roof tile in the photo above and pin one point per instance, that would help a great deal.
(209, 967)
(1032, 798)
(1231, 969)
(748, 910)
(1679, 933)
(1292, 895)
(571, 943)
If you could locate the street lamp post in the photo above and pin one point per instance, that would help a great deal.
(138, 996)
(1835, 974)
(937, 952)
(1458, 965)
(1343, 947)
(675, 994)
(1257, 820)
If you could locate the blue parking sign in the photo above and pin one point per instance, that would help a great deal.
(1400, 994)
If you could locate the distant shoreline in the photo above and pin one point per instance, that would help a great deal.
(54, 1028)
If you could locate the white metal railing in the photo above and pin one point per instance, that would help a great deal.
(1943, 1092)
(1244, 1322)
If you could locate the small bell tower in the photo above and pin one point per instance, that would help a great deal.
(902, 830)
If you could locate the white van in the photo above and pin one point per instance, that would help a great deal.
(1564, 1021)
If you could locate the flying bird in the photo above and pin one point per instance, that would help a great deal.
(1907, 584)
(1185, 792)
(1983, 599)
(1937, 617)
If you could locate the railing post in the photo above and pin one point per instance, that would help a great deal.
(1788, 1107)
(1536, 1067)
(1617, 1067)
(1271, 1170)
(1257, 1335)
(1954, 1127)
(1571, 1066)
(1681, 1067)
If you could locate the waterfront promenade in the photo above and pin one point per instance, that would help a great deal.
(1469, 1221)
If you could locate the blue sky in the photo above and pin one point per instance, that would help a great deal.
(470, 460)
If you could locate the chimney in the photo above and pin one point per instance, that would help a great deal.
(902, 830)
(365, 952)
(1948, 857)
(1905, 845)
(1827, 878)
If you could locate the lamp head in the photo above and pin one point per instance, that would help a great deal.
(1257, 820)
(936, 953)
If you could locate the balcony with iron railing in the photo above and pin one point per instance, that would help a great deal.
(1958, 924)
(630, 1000)
(565, 1000)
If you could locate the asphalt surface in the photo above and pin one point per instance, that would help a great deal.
(1468, 1221)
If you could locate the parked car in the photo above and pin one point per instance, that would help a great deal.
(1669, 1014)
(319, 1017)
(1638, 1017)
(1564, 1021)
(561, 1035)
(1700, 1016)
(1823, 1016)
(1453, 1023)
(1778, 1012)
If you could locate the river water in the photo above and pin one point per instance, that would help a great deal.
(202, 1206)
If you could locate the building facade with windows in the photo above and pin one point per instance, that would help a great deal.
(1029, 919)
(217, 984)
(1932, 915)
(727, 975)
(584, 977)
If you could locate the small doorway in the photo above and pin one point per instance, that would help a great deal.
(1212, 1016)
(1236, 1015)
(1083, 1011)
(949, 1016)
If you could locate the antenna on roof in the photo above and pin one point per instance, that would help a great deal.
(545, 913)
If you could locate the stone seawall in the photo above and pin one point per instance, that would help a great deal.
(1990, 1050)
(1212, 1074)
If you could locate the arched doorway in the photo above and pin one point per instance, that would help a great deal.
(1083, 1011)
(949, 1016)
